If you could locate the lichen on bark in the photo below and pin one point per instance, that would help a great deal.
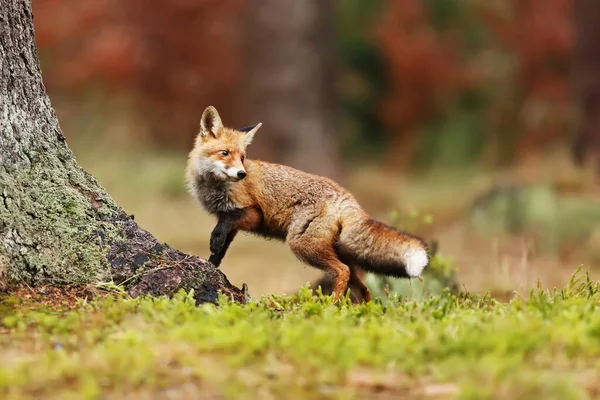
(51, 231)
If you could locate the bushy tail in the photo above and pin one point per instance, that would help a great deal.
(381, 249)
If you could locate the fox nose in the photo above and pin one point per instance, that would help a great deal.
(241, 174)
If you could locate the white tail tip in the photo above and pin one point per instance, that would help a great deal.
(415, 261)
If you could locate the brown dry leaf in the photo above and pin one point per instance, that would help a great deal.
(376, 380)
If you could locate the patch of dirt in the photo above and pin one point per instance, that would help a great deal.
(54, 297)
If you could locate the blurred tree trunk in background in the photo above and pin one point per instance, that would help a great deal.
(290, 74)
(57, 224)
(587, 81)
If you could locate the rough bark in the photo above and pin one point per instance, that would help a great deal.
(57, 224)
(587, 81)
(290, 83)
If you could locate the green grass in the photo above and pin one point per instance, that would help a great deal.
(544, 346)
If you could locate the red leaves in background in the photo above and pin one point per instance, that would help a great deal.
(428, 66)
(424, 65)
(177, 55)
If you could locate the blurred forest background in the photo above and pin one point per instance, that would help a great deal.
(471, 122)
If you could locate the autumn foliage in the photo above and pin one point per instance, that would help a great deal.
(518, 58)
(426, 69)
(175, 56)
(539, 35)
(506, 61)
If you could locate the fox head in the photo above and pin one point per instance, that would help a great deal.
(220, 151)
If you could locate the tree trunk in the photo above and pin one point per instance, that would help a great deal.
(587, 81)
(57, 224)
(290, 84)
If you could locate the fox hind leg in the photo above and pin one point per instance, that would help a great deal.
(325, 259)
(356, 280)
(339, 271)
(309, 246)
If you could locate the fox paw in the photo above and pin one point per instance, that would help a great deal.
(216, 243)
(214, 260)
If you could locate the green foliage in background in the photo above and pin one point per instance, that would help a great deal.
(464, 346)
(539, 211)
(439, 276)
(456, 134)
(364, 76)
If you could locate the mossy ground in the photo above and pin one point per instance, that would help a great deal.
(542, 346)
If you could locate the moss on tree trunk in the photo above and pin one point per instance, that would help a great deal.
(57, 224)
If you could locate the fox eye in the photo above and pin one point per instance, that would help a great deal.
(243, 158)
(224, 153)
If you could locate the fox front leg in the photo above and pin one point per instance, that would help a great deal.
(246, 219)
(219, 235)
(222, 236)
(219, 246)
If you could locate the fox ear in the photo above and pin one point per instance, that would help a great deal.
(210, 123)
(249, 132)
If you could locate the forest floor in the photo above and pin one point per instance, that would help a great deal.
(105, 345)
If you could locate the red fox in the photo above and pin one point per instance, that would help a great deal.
(322, 223)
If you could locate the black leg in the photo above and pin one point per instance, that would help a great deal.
(218, 236)
(222, 235)
(216, 258)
